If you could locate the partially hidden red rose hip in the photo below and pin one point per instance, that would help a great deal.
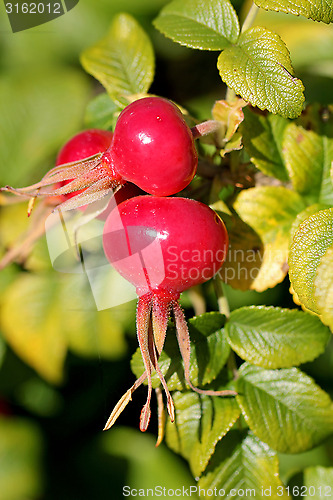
(83, 145)
(163, 246)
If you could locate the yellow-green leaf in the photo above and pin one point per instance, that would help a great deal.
(302, 216)
(308, 157)
(57, 312)
(323, 288)
(270, 211)
(34, 333)
(245, 253)
(318, 10)
(123, 61)
(273, 337)
(258, 68)
(311, 241)
(284, 408)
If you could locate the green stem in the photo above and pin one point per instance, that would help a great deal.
(222, 300)
(250, 17)
(230, 95)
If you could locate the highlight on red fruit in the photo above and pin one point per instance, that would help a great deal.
(163, 246)
(152, 147)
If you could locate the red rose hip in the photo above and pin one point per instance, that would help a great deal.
(153, 147)
(163, 246)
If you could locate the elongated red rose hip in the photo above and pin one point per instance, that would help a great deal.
(163, 246)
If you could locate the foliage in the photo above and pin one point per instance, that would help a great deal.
(268, 173)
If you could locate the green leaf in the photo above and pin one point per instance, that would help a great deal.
(302, 216)
(123, 61)
(308, 157)
(323, 288)
(244, 468)
(270, 211)
(272, 337)
(102, 112)
(318, 10)
(57, 312)
(20, 459)
(284, 408)
(258, 68)
(209, 353)
(313, 237)
(200, 422)
(262, 139)
(200, 24)
(35, 334)
(318, 482)
(230, 115)
(42, 109)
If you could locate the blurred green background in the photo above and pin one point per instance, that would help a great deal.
(63, 365)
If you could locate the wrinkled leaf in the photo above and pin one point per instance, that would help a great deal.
(240, 466)
(209, 353)
(123, 61)
(262, 138)
(323, 288)
(258, 68)
(272, 337)
(308, 157)
(270, 211)
(201, 422)
(302, 216)
(284, 408)
(313, 237)
(230, 115)
(200, 24)
(318, 10)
